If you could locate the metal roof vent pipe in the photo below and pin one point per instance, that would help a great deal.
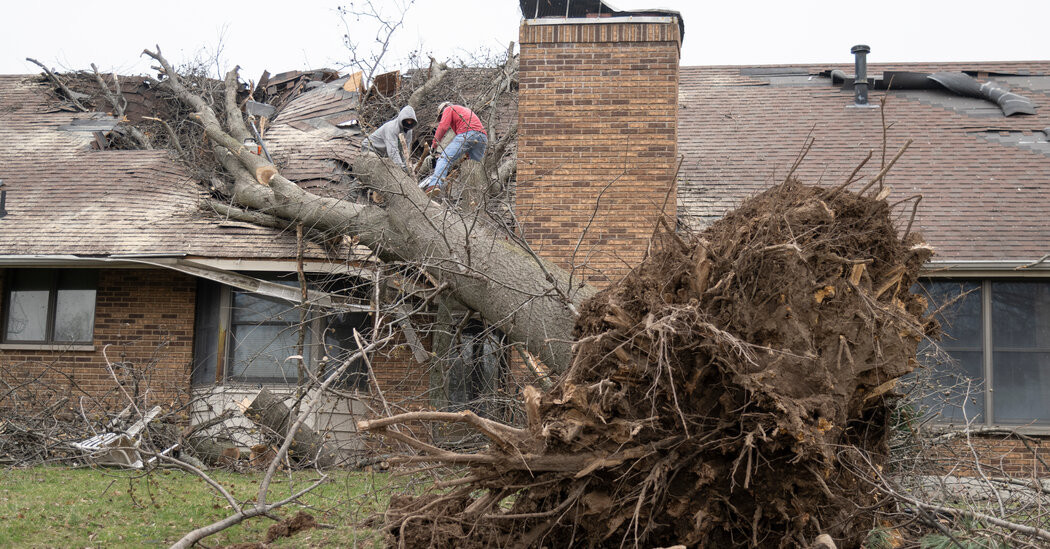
(860, 80)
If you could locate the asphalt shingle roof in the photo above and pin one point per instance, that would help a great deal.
(984, 178)
(64, 197)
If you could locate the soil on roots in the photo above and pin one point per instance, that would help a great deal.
(723, 394)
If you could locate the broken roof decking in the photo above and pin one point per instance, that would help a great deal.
(308, 143)
(65, 198)
(984, 177)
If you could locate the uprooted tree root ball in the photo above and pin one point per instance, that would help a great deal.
(721, 395)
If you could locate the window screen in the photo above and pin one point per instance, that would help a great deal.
(953, 385)
(477, 369)
(1008, 368)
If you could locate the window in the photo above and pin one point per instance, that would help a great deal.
(264, 332)
(50, 306)
(477, 370)
(993, 366)
(246, 337)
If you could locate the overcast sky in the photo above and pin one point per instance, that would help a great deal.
(286, 35)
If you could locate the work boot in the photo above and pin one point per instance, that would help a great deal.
(434, 192)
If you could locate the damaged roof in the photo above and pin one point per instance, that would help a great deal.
(315, 136)
(67, 197)
(984, 176)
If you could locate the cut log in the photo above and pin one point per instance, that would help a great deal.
(209, 450)
(269, 411)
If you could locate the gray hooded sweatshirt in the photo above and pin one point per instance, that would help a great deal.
(384, 140)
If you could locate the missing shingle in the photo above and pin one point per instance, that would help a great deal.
(1035, 141)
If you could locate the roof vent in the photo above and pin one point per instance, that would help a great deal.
(860, 81)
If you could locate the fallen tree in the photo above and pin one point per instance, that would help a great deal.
(270, 413)
(723, 394)
(530, 299)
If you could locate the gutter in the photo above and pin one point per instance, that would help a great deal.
(56, 261)
(176, 263)
(256, 285)
(987, 268)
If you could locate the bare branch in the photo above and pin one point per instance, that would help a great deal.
(70, 94)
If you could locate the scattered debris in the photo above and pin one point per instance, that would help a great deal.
(121, 449)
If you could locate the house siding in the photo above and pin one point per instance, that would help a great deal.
(143, 326)
(597, 145)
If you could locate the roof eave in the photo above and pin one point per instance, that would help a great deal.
(987, 268)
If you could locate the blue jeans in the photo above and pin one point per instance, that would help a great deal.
(472, 143)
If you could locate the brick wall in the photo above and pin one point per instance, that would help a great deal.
(1000, 455)
(146, 319)
(405, 382)
(597, 133)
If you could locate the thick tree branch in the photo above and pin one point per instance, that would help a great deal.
(234, 120)
(437, 72)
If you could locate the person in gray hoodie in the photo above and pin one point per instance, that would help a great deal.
(384, 141)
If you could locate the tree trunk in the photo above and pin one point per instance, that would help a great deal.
(268, 410)
(207, 449)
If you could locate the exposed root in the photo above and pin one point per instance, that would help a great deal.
(710, 395)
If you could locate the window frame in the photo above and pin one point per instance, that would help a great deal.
(310, 345)
(51, 315)
(315, 344)
(985, 282)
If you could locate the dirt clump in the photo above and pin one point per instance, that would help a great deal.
(289, 527)
(733, 391)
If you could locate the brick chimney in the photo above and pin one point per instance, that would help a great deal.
(597, 138)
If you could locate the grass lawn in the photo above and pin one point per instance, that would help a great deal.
(61, 507)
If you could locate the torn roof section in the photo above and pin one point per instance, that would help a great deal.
(314, 137)
(66, 197)
(958, 82)
(984, 176)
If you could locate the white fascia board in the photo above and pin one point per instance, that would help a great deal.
(278, 265)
